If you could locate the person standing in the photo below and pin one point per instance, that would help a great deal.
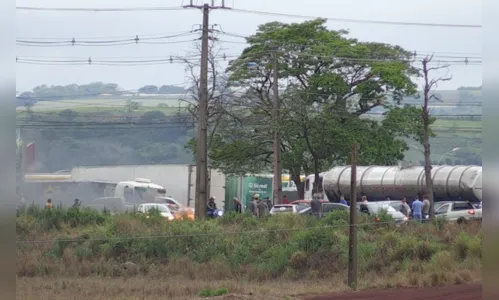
(268, 203)
(363, 199)
(405, 209)
(426, 208)
(261, 208)
(417, 207)
(238, 208)
(343, 201)
(49, 204)
(315, 206)
(285, 200)
(254, 205)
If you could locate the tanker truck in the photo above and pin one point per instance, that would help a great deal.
(450, 183)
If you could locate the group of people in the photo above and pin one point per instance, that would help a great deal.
(419, 210)
(258, 207)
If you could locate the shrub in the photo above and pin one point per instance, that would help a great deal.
(86, 242)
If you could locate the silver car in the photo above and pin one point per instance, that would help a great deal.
(374, 209)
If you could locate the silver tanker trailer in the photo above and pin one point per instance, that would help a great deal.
(450, 183)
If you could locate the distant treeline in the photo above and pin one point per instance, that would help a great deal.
(93, 89)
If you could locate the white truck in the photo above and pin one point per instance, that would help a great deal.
(128, 195)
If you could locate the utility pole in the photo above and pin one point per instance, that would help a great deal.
(352, 243)
(202, 140)
(277, 131)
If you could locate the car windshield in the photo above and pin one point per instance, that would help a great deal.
(159, 207)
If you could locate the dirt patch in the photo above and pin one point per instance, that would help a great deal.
(454, 292)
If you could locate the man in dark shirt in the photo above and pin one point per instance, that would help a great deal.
(315, 206)
(237, 205)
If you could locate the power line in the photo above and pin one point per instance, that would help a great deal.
(172, 60)
(136, 39)
(97, 9)
(398, 23)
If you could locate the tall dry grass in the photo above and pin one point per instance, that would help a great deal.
(104, 253)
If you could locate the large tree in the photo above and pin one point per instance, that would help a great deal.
(328, 81)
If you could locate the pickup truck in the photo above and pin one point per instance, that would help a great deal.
(460, 212)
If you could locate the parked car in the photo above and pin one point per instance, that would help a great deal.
(306, 203)
(374, 209)
(286, 208)
(459, 211)
(162, 208)
(173, 204)
(326, 208)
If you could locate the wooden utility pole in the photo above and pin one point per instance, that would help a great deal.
(428, 85)
(352, 243)
(201, 197)
(277, 131)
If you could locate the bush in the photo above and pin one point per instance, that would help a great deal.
(85, 242)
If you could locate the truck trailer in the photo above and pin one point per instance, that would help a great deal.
(450, 183)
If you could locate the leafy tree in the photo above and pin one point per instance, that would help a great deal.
(132, 105)
(148, 89)
(170, 89)
(331, 80)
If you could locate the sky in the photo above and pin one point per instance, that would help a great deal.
(31, 25)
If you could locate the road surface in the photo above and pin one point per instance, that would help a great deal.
(455, 292)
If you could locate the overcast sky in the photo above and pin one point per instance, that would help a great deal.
(46, 24)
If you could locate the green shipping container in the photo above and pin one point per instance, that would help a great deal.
(231, 191)
(256, 185)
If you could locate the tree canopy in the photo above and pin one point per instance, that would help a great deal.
(328, 85)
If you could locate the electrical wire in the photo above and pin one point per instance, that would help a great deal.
(172, 60)
(98, 9)
(397, 23)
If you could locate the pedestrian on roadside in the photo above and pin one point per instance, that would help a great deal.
(426, 208)
(417, 207)
(268, 203)
(343, 201)
(285, 200)
(315, 206)
(262, 208)
(77, 203)
(363, 199)
(254, 205)
(405, 209)
(49, 204)
(237, 205)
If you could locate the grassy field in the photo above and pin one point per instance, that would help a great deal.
(82, 254)
(172, 105)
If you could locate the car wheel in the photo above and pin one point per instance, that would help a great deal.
(461, 221)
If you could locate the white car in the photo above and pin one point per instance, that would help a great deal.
(285, 208)
(459, 211)
(162, 208)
